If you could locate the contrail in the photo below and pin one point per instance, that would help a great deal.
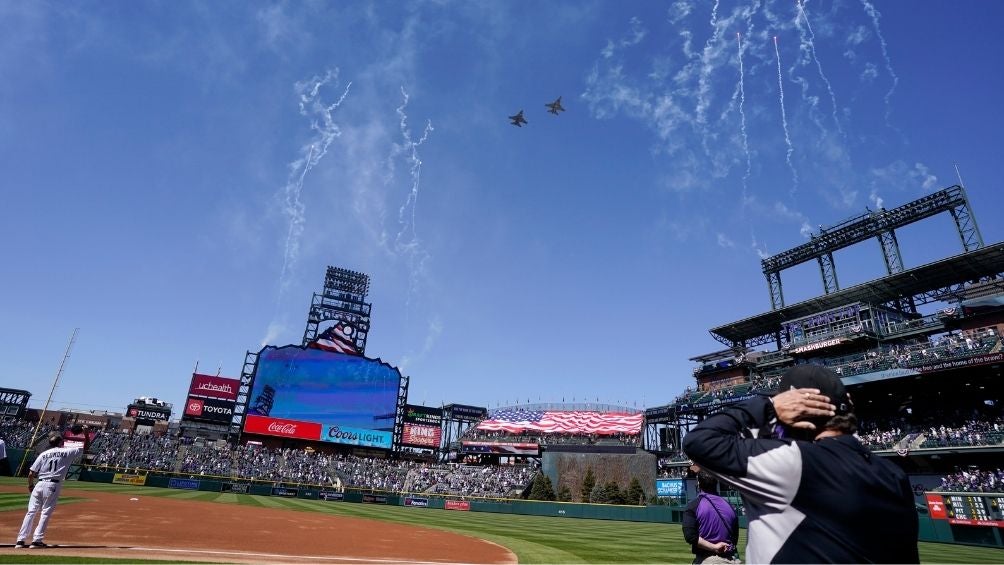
(875, 15)
(784, 122)
(742, 119)
(810, 40)
(703, 87)
(407, 241)
(411, 149)
(326, 130)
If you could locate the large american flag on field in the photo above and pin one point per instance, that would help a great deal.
(337, 338)
(515, 420)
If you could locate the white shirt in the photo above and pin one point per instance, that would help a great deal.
(3, 449)
(53, 463)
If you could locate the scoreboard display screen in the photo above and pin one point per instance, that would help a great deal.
(967, 508)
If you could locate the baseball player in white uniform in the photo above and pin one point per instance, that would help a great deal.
(50, 469)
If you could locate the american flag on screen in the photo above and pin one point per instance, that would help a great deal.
(337, 338)
(514, 420)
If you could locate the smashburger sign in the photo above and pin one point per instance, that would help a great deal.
(208, 409)
(281, 427)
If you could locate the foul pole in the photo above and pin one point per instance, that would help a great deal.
(55, 382)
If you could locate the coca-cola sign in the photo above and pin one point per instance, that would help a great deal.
(214, 387)
(265, 425)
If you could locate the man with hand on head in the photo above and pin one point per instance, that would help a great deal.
(50, 469)
(812, 492)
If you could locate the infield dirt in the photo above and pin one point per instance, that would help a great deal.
(110, 525)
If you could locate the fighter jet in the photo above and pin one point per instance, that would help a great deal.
(555, 107)
(518, 120)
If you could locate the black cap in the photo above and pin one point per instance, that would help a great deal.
(55, 439)
(816, 376)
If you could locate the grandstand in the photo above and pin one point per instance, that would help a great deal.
(568, 440)
(920, 349)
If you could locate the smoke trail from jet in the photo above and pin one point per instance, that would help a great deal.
(313, 106)
(810, 40)
(703, 88)
(410, 148)
(407, 242)
(875, 15)
(742, 119)
(784, 122)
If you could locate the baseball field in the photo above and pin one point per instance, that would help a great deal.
(103, 523)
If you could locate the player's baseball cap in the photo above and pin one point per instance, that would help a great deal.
(55, 439)
(816, 376)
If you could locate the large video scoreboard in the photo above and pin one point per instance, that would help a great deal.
(317, 395)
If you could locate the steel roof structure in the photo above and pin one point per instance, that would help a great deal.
(940, 281)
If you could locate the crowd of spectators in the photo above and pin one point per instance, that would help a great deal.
(973, 481)
(493, 482)
(139, 451)
(19, 433)
(945, 347)
(144, 452)
(673, 466)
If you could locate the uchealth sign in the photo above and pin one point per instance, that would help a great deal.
(214, 387)
(280, 427)
(357, 436)
(208, 410)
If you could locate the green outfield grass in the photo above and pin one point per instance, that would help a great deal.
(534, 539)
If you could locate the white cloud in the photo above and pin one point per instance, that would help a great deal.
(724, 241)
(902, 177)
(679, 10)
(858, 36)
(869, 73)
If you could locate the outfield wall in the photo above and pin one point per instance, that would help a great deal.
(930, 530)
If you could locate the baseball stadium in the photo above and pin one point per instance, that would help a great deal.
(316, 454)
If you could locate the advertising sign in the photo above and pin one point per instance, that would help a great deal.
(500, 448)
(236, 488)
(214, 387)
(208, 410)
(331, 496)
(129, 479)
(457, 505)
(936, 507)
(672, 488)
(374, 499)
(284, 491)
(423, 415)
(281, 427)
(959, 363)
(416, 501)
(147, 413)
(464, 411)
(187, 484)
(357, 436)
(417, 435)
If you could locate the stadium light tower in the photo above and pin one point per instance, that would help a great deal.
(344, 300)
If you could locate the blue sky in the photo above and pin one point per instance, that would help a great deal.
(176, 176)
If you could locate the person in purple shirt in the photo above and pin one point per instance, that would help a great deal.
(710, 524)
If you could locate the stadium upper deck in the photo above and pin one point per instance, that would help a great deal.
(917, 374)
